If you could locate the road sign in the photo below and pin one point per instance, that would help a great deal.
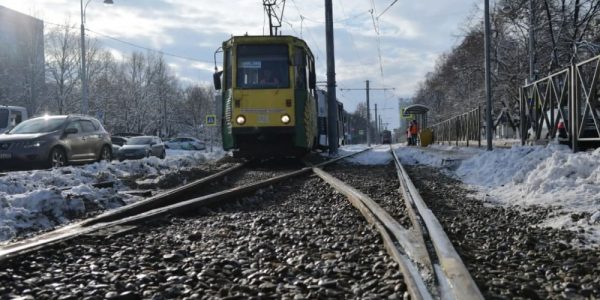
(404, 115)
(211, 120)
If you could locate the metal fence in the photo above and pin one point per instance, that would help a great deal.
(462, 128)
(569, 99)
(544, 103)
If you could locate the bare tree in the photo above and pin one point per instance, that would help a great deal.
(62, 56)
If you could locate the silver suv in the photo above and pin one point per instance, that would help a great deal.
(54, 141)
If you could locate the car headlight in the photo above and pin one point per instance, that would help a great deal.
(285, 119)
(33, 144)
(240, 120)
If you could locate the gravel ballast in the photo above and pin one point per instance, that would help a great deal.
(507, 256)
(299, 240)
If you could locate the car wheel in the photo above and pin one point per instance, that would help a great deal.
(105, 154)
(163, 155)
(57, 158)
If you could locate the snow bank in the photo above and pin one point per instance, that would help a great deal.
(41, 199)
(548, 176)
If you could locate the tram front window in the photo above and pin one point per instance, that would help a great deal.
(262, 66)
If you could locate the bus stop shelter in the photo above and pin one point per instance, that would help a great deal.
(419, 112)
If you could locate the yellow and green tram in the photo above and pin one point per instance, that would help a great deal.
(268, 96)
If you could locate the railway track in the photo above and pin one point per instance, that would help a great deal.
(180, 199)
(422, 277)
(292, 239)
(431, 266)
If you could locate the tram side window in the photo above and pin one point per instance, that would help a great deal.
(311, 74)
(229, 69)
(300, 62)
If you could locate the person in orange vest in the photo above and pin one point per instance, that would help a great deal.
(414, 130)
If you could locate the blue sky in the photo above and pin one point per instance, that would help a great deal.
(412, 35)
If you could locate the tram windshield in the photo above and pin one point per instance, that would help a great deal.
(262, 66)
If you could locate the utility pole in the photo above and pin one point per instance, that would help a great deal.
(376, 126)
(531, 42)
(368, 116)
(367, 90)
(332, 123)
(84, 83)
(488, 87)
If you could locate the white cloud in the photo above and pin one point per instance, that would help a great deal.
(412, 34)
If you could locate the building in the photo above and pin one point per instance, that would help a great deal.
(22, 64)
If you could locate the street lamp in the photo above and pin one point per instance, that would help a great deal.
(84, 83)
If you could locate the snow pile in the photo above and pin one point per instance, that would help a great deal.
(548, 176)
(41, 199)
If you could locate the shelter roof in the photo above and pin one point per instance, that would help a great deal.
(416, 109)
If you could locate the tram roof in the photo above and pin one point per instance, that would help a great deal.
(264, 39)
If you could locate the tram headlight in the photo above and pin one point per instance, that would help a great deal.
(285, 119)
(240, 120)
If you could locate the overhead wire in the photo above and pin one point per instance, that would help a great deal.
(319, 52)
(133, 44)
(387, 8)
(353, 43)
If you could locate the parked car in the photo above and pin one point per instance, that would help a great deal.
(11, 116)
(185, 143)
(118, 140)
(54, 141)
(117, 143)
(142, 146)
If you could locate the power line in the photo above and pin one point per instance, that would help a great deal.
(353, 43)
(387, 8)
(133, 45)
(150, 49)
(310, 33)
(341, 21)
(376, 27)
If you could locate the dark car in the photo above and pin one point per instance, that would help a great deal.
(117, 143)
(54, 141)
(185, 143)
(118, 140)
(142, 146)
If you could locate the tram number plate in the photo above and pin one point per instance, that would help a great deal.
(5, 155)
(263, 118)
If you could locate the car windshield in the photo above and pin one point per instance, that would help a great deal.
(3, 117)
(39, 125)
(262, 66)
(139, 141)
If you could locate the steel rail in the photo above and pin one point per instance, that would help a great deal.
(376, 216)
(126, 216)
(455, 281)
(160, 200)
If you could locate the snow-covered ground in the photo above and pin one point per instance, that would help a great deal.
(549, 176)
(522, 176)
(41, 199)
